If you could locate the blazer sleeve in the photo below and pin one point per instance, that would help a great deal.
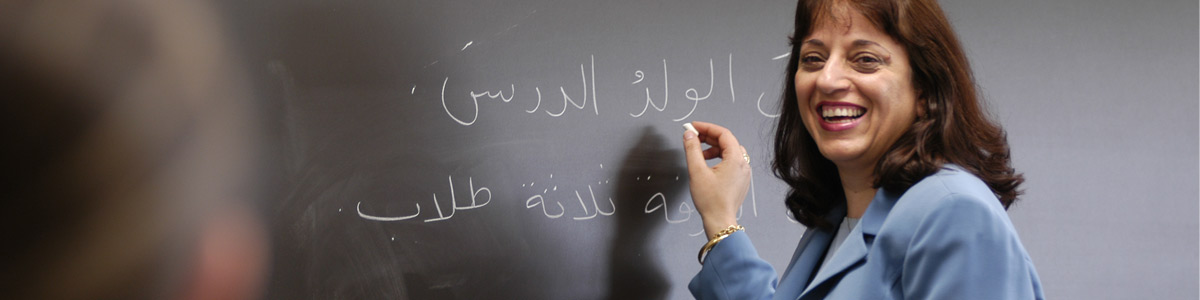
(967, 249)
(733, 270)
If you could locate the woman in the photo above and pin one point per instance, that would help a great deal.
(900, 178)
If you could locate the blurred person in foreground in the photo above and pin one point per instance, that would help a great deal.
(128, 171)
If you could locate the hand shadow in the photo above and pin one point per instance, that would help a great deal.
(633, 267)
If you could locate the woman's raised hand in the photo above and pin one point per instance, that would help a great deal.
(718, 191)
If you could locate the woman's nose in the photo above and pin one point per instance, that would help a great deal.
(832, 78)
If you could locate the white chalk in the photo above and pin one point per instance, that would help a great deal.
(688, 126)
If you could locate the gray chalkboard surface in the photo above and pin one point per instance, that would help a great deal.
(530, 149)
(520, 150)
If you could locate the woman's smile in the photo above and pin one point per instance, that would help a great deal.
(838, 116)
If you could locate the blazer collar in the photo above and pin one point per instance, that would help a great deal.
(877, 212)
(808, 255)
(854, 250)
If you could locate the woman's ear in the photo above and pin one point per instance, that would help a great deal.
(922, 105)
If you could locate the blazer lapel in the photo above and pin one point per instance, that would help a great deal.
(809, 253)
(854, 250)
(850, 253)
(806, 257)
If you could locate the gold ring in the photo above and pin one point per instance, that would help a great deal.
(746, 156)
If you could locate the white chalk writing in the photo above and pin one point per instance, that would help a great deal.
(684, 208)
(587, 95)
(475, 203)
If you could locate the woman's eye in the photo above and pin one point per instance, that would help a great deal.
(812, 61)
(867, 63)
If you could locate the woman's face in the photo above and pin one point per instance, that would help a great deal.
(854, 85)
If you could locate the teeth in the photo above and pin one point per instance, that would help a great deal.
(849, 112)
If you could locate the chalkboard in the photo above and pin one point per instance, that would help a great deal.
(531, 149)
(495, 150)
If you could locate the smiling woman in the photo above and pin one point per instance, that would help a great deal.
(898, 174)
(949, 126)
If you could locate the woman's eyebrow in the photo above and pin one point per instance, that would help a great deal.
(858, 43)
(862, 43)
(814, 42)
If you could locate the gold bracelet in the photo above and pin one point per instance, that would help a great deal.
(728, 230)
(720, 235)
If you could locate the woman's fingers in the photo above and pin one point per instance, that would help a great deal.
(693, 155)
(712, 152)
(724, 144)
(717, 192)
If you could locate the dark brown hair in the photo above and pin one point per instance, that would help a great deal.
(954, 128)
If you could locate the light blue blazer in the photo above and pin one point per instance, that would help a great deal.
(947, 237)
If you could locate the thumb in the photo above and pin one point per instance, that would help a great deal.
(693, 154)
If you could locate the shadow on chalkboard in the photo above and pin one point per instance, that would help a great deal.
(633, 268)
